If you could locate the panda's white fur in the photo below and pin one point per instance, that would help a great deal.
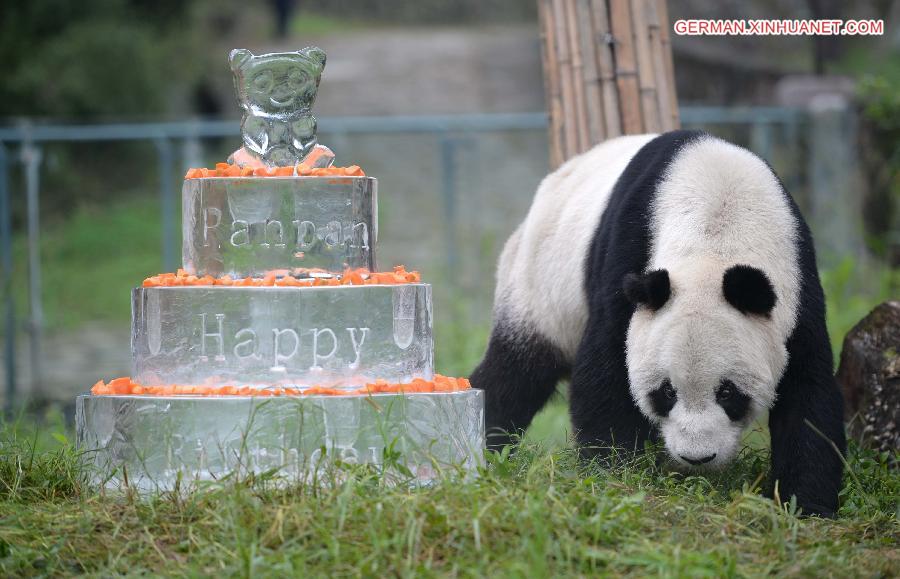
(717, 206)
(540, 277)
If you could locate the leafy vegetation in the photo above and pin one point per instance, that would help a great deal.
(118, 49)
(881, 158)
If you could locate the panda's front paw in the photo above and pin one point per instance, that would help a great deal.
(809, 506)
(814, 510)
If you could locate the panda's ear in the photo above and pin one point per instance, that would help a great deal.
(749, 290)
(651, 289)
(238, 57)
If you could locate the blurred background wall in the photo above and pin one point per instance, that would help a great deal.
(448, 98)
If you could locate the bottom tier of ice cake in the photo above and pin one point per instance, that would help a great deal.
(166, 442)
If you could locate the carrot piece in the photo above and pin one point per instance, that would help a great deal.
(443, 384)
(354, 171)
(352, 277)
(419, 385)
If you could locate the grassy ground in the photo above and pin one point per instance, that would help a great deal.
(538, 513)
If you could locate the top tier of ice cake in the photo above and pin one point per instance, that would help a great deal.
(248, 226)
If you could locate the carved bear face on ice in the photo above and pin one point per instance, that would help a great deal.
(276, 92)
(278, 84)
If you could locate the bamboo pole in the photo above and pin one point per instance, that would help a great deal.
(645, 69)
(579, 88)
(564, 58)
(608, 71)
(659, 66)
(626, 67)
(672, 120)
(603, 44)
(551, 82)
(593, 82)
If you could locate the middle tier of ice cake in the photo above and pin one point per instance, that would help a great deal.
(247, 226)
(341, 336)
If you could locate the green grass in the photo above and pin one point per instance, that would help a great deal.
(852, 291)
(537, 513)
(307, 23)
(91, 260)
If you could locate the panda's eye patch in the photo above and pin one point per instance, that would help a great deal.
(669, 390)
(735, 403)
(726, 391)
(663, 398)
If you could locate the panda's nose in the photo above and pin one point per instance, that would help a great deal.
(695, 461)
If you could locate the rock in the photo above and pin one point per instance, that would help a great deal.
(869, 375)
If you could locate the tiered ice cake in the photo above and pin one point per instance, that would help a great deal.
(279, 344)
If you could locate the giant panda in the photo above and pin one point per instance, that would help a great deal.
(672, 280)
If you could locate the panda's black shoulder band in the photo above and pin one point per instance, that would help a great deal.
(651, 289)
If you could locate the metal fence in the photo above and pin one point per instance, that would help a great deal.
(763, 129)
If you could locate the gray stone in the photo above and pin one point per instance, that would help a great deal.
(869, 374)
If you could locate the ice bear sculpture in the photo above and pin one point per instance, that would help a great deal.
(276, 92)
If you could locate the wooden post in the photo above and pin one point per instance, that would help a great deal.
(607, 71)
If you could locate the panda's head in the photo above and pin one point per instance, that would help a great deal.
(703, 356)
